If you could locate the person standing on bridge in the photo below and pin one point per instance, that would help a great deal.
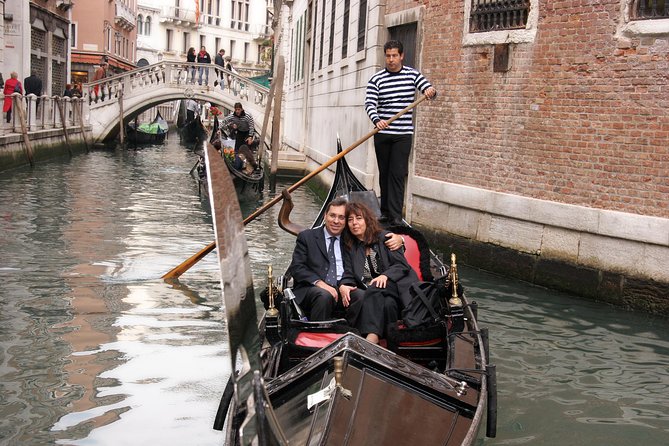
(203, 57)
(100, 73)
(191, 57)
(240, 126)
(13, 85)
(220, 61)
(33, 85)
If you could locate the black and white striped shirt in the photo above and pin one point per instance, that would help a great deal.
(389, 93)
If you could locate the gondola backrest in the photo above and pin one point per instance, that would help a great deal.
(412, 254)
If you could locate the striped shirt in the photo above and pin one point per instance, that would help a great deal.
(244, 122)
(389, 93)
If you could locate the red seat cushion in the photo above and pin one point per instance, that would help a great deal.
(412, 254)
(316, 340)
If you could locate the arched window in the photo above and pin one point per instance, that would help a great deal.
(140, 24)
(147, 26)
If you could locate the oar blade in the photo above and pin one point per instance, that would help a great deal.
(236, 284)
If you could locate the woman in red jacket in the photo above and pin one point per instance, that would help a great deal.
(11, 86)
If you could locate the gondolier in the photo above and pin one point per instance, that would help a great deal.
(388, 92)
(240, 126)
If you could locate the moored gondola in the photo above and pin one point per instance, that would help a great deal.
(323, 384)
(154, 132)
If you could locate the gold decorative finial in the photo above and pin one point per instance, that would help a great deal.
(271, 311)
(454, 301)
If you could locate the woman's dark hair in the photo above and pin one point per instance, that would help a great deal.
(372, 230)
(191, 50)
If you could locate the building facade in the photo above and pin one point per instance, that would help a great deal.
(167, 28)
(545, 155)
(103, 29)
(36, 40)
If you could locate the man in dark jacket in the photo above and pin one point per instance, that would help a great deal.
(33, 85)
(220, 61)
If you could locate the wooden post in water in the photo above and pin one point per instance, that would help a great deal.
(81, 122)
(265, 121)
(18, 105)
(121, 129)
(276, 124)
(61, 110)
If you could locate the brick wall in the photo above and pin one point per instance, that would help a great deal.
(582, 117)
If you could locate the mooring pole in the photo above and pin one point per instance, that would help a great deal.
(276, 124)
(18, 104)
(121, 129)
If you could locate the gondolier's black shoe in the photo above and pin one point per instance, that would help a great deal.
(384, 219)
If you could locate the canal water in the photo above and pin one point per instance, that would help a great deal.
(95, 349)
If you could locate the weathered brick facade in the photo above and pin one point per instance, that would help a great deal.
(581, 117)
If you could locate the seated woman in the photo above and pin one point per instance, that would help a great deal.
(245, 160)
(381, 276)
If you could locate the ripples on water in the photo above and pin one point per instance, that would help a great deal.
(572, 371)
(95, 349)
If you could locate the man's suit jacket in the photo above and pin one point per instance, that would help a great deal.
(310, 261)
(392, 264)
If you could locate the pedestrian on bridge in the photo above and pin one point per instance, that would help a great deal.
(192, 58)
(33, 85)
(220, 61)
(13, 85)
(203, 57)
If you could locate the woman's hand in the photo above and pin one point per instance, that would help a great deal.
(380, 281)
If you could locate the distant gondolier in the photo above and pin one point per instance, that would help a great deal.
(240, 126)
(388, 92)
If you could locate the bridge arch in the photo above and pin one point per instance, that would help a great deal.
(148, 86)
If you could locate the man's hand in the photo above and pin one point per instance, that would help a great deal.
(380, 281)
(345, 291)
(430, 93)
(329, 289)
(394, 241)
(381, 125)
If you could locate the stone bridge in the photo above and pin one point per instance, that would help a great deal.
(145, 87)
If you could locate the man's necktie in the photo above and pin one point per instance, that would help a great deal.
(331, 276)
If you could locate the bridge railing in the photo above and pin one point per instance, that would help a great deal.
(188, 76)
(42, 112)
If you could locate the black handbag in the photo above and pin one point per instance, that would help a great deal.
(427, 305)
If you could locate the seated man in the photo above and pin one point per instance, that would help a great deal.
(317, 264)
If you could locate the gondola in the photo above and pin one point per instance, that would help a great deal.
(147, 133)
(246, 177)
(319, 383)
(191, 130)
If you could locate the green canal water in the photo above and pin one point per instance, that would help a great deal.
(95, 349)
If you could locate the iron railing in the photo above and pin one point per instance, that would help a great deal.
(649, 9)
(496, 15)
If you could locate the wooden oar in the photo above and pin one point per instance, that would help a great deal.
(188, 263)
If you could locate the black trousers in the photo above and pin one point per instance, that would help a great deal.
(392, 158)
(320, 306)
(379, 307)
